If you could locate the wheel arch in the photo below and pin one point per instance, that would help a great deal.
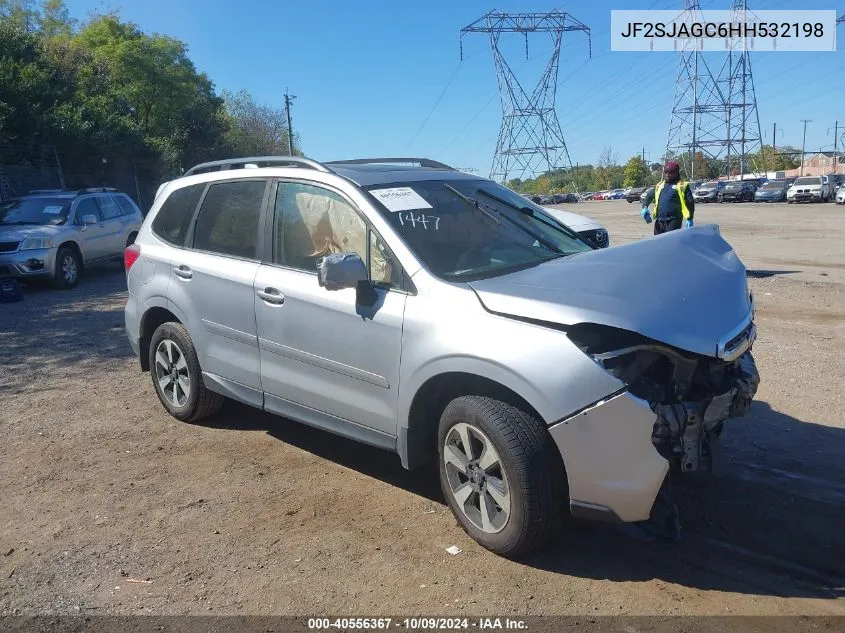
(150, 321)
(417, 440)
(74, 246)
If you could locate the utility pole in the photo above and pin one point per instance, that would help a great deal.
(774, 146)
(288, 99)
(835, 147)
(804, 142)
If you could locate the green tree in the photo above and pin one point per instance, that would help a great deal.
(636, 172)
(254, 129)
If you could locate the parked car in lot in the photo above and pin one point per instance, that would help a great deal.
(563, 198)
(737, 191)
(772, 191)
(708, 191)
(589, 230)
(649, 191)
(634, 194)
(616, 194)
(809, 189)
(439, 315)
(55, 234)
(840, 194)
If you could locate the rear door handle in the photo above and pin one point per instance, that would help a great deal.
(183, 271)
(271, 295)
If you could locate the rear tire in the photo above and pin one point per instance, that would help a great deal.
(177, 376)
(501, 474)
(67, 270)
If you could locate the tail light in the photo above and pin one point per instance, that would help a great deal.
(131, 255)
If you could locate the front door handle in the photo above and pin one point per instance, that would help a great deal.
(183, 271)
(271, 295)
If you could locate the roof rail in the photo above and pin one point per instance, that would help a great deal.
(35, 191)
(422, 162)
(255, 161)
(98, 190)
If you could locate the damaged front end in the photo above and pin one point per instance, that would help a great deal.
(691, 395)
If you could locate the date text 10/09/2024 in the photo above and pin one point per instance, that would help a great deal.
(416, 624)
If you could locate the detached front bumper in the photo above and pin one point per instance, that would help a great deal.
(617, 452)
(31, 263)
(613, 468)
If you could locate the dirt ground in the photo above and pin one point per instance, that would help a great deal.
(251, 514)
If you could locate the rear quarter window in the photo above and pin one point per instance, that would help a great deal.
(127, 207)
(174, 217)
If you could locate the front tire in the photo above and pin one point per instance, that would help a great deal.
(177, 376)
(501, 474)
(68, 268)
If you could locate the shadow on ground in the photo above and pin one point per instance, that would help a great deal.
(54, 329)
(765, 274)
(757, 535)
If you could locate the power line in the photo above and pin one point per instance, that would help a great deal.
(436, 103)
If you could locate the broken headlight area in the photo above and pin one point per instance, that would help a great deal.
(691, 395)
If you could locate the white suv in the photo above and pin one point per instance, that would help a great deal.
(809, 189)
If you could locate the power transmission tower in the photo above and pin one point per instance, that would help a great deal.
(530, 138)
(743, 120)
(714, 115)
(697, 124)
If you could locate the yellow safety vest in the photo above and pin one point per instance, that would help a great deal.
(681, 186)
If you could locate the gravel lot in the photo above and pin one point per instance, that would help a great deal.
(251, 514)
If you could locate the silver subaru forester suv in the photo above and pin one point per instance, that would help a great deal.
(433, 313)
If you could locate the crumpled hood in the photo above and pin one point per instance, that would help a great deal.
(13, 233)
(686, 288)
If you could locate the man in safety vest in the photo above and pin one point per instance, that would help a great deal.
(673, 203)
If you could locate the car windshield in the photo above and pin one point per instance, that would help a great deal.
(709, 185)
(473, 229)
(35, 211)
(807, 181)
(733, 187)
(771, 186)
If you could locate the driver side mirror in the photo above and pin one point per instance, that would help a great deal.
(88, 219)
(346, 270)
(341, 270)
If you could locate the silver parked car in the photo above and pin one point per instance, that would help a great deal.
(439, 315)
(54, 234)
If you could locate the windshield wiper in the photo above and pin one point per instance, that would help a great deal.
(530, 212)
(473, 203)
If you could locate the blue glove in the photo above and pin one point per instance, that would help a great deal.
(688, 223)
(646, 215)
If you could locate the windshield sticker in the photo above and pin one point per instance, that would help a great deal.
(400, 199)
(425, 221)
(53, 210)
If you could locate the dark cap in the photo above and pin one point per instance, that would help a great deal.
(672, 166)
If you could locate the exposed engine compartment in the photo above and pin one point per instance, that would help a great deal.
(692, 395)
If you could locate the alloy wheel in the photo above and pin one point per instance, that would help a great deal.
(477, 480)
(171, 372)
(70, 271)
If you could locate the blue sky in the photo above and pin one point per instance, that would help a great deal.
(367, 74)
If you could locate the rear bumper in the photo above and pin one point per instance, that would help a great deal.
(28, 264)
(132, 320)
(613, 468)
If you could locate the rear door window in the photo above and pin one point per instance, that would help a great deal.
(227, 223)
(174, 217)
(108, 207)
